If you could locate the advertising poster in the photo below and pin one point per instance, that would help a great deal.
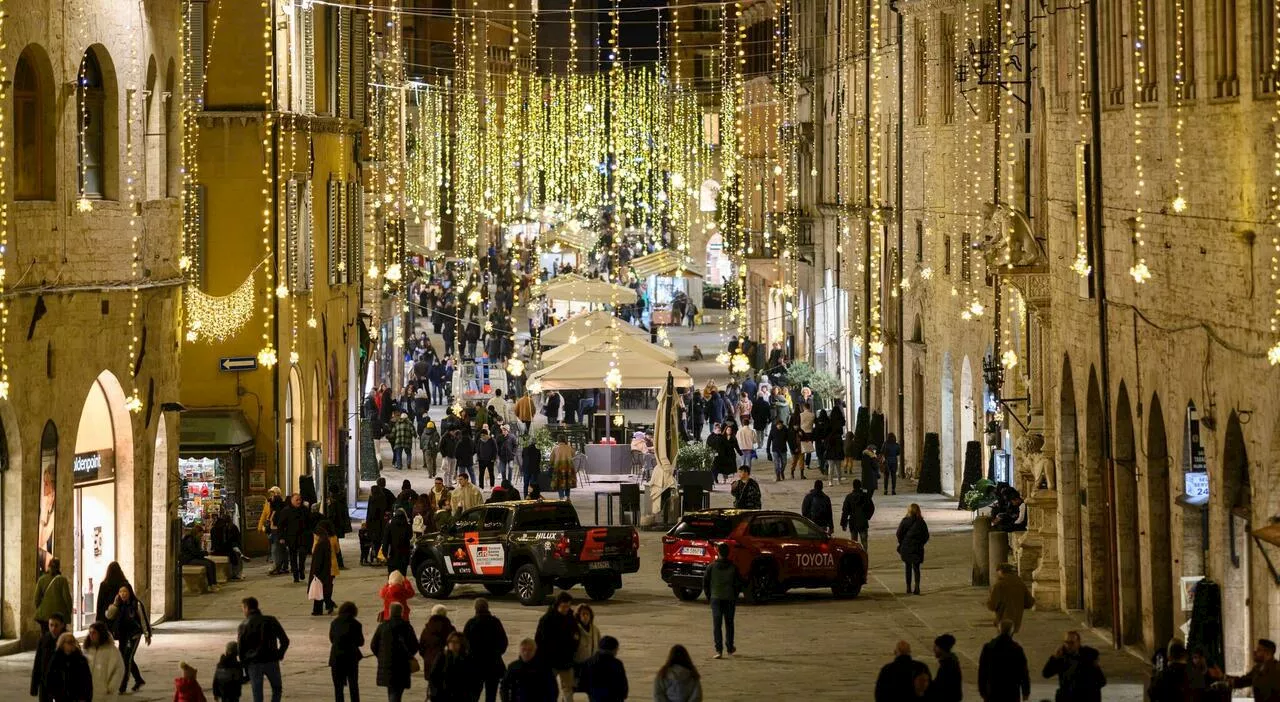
(48, 492)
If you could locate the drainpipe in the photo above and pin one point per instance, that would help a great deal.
(1095, 215)
(897, 280)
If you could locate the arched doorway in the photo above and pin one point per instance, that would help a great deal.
(1159, 530)
(160, 520)
(102, 475)
(293, 432)
(12, 512)
(968, 412)
(315, 458)
(719, 265)
(1070, 496)
(1237, 586)
(1127, 540)
(917, 418)
(1097, 525)
(947, 428)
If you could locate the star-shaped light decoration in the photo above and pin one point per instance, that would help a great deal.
(1009, 359)
(267, 357)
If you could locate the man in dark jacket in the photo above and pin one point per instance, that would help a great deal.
(722, 583)
(376, 513)
(191, 552)
(263, 644)
(530, 464)
(1264, 676)
(557, 639)
(487, 640)
(897, 679)
(855, 514)
(527, 680)
(295, 526)
(1080, 678)
(746, 491)
(1002, 668)
(45, 647)
(1173, 683)
(464, 453)
(603, 675)
(947, 685)
(817, 507)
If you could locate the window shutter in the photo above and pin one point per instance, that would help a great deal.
(306, 237)
(309, 60)
(359, 70)
(343, 108)
(334, 238)
(355, 237)
(193, 83)
(292, 226)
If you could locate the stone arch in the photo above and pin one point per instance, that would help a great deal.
(1236, 501)
(947, 426)
(917, 330)
(1097, 520)
(35, 126)
(1070, 492)
(1159, 528)
(293, 432)
(13, 510)
(968, 410)
(1128, 547)
(160, 520)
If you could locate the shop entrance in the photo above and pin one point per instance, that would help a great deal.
(101, 472)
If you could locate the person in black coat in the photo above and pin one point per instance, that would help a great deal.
(1079, 675)
(913, 534)
(45, 648)
(380, 500)
(191, 552)
(530, 465)
(455, 677)
(896, 681)
(527, 679)
(947, 685)
(727, 452)
(464, 452)
(856, 512)
(225, 540)
(1002, 668)
(486, 456)
(322, 558)
(817, 507)
(557, 639)
(395, 644)
(603, 675)
(67, 678)
(488, 642)
(346, 636)
(761, 413)
(776, 446)
(397, 546)
(295, 528)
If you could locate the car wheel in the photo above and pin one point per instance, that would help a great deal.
(529, 586)
(499, 589)
(686, 594)
(600, 589)
(848, 583)
(432, 581)
(761, 585)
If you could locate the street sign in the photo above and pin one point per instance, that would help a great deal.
(237, 364)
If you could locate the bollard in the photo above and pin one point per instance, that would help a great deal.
(981, 567)
(998, 550)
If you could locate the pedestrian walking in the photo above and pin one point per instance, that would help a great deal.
(397, 590)
(897, 678)
(870, 468)
(263, 645)
(67, 677)
(1080, 677)
(53, 595)
(454, 676)
(530, 465)
(324, 570)
(508, 449)
(380, 501)
(527, 679)
(1002, 668)
(346, 636)
(395, 646)
(913, 534)
(105, 663)
(604, 677)
(429, 444)
(112, 581)
(185, 687)
(835, 454)
(434, 638)
(856, 513)
(677, 680)
(891, 450)
(486, 457)
(266, 525)
(588, 634)
(191, 552)
(947, 685)
(295, 529)
(229, 676)
(776, 447)
(816, 507)
(1263, 677)
(402, 436)
(397, 545)
(746, 438)
(1009, 597)
(46, 646)
(487, 639)
(722, 583)
(557, 641)
(464, 454)
(466, 496)
(129, 625)
(745, 490)
(563, 476)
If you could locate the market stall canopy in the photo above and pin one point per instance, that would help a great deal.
(574, 237)
(605, 337)
(586, 371)
(584, 324)
(665, 263)
(575, 288)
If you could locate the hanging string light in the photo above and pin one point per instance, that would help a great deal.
(133, 403)
(1139, 270)
(1081, 263)
(1179, 96)
(1273, 354)
(267, 355)
(4, 213)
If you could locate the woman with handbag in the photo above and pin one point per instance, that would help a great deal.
(395, 647)
(129, 625)
(324, 568)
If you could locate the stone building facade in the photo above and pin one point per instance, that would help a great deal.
(93, 295)
(995, 216)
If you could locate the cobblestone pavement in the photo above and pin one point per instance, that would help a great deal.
(805, 646)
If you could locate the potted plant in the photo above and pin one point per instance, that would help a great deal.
(931, 468)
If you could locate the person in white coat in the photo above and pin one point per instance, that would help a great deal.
(104, 662)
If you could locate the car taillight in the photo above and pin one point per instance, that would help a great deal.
(562, 547)
(667, 540)
(635, 540)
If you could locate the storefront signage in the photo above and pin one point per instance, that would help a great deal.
(1196, 487)
(94, 466)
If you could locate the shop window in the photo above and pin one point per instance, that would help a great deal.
(946, 255)
(33, 142)
(92, 139)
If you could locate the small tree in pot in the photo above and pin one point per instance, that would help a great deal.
(931, 468)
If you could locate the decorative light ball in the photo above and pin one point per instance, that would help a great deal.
(393, 272)
(877, 347)
(184, 262)
(515, 367)
(267, 357)
(4, 389)
(739, 363)
(677, 180)
(617, 420)
(777, 170)
(722, 358)
(474, 297)
(1009, 359)
(534, 387)
(1179, 204)
(613, 379)
(976, 308)
(373, 271)
(282, 291)
(192, 335)
(926, 273)
(133, 404)
(84, 204)
(1140, 272)
(573, 339)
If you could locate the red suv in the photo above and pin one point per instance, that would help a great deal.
(774, 552)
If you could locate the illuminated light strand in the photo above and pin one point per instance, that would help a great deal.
(1139, 270)
(1179, 203)
(267, 356)
(4, 212)
(133, 403)
(1081, 263)
(875, 345)
(1273, 354)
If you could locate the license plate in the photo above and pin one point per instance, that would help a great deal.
(600, 565)
(690, 551)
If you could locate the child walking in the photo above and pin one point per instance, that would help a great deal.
(229, 677)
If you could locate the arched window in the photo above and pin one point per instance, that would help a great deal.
(32, 131)
(91, 142)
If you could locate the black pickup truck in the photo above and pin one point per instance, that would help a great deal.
(528, 546)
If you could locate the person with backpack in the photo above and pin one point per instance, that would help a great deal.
(429, 443)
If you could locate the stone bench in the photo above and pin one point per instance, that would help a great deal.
(194, 580)
(223, 564)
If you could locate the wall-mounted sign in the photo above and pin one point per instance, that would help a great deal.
(94, 466)
(1195, 487)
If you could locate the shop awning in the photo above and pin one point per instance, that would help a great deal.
(575, 238)
(580, 326)
(213, 429)
(664, 263)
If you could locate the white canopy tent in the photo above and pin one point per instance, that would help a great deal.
(604, 340)
(586, 371)
(575, 288)
(580, 326)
